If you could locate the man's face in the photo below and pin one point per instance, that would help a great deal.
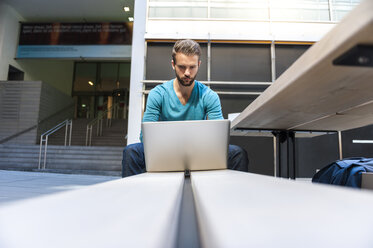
(186, 68)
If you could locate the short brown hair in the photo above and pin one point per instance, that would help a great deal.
(187, 47)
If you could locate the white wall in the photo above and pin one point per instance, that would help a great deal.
(57, 73)
(24, 103)
(19, 108)
(236, 30)
(9, 29)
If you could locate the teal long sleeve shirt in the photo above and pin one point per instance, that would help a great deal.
(164, 105)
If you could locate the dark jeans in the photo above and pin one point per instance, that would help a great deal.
(133, 162)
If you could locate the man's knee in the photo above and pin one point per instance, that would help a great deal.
(130, 149)
(238, 159)
(133, 160)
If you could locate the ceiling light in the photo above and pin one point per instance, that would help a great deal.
(362, 141)
(90, 83)
(130, 19)
(126, 9)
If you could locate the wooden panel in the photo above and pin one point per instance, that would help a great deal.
(353, 118)
(237, 209)
(313, 88)
(138, 211)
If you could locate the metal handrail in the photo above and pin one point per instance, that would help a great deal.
(213, 82)
(98, 120)
(217, 83)
(44, 138)
(35, 126)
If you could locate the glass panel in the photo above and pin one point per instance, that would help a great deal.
(234, 103)
(342, 7)
(108, 77)
(284, 10)
(300, 10)
(124, 75)
(85, 77)
(241, 62)
(85, 107)
(121, 95)
(178, 9)
(240, 9)
(286, 55)
(110, 86)
(158, 62)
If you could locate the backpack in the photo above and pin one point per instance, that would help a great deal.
(346, 172)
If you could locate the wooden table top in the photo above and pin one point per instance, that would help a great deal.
(315, 94)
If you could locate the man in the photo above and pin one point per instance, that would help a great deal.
(182, 98)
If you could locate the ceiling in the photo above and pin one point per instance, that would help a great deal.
(72, 10)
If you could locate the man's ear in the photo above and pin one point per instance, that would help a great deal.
(173, 64)
(199, 63)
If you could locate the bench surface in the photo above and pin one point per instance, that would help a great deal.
(138, 211)
(237, 209)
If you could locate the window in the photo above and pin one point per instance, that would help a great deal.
(241, 62)
(286, 55)
(158, 62)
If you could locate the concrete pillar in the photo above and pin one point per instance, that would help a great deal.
(137, 72)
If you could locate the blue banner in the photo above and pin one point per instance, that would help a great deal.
(74, 51)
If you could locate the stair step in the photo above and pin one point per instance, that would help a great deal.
(112, 136)
(85, 166)
(82, 159)
(8, 166)
(86, 157)
(104, 157)
(85, 172)
(72, 153)
(51, 147)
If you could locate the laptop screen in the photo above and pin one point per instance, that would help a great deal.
(186, 145)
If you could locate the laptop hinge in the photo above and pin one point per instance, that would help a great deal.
(187, 173)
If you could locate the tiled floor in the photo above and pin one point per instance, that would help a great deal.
(17, 185)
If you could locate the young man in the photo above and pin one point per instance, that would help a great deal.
(182, 98)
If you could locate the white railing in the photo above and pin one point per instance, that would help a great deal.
(99, 120)
(221, 83)
(44, 139)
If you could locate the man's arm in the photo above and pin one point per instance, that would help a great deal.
(213, 106)
(153, 107)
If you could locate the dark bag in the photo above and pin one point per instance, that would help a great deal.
(346, 172)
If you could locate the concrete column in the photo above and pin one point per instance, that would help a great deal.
(137, 72)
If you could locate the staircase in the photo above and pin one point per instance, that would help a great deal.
(63, 159)
(104, 157)
(111, 136)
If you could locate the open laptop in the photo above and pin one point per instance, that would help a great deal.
(186, 145)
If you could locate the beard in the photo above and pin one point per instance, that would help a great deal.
(183, 82)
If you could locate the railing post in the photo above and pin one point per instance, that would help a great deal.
(98, 127)
(45, 139)
(101, 127)
(45, 151)
(71, 129)
(90, 135)
(66, 127)
(86, 136)
(340, 151)
(41, 145)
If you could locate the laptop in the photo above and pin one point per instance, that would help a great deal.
(186, 145)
